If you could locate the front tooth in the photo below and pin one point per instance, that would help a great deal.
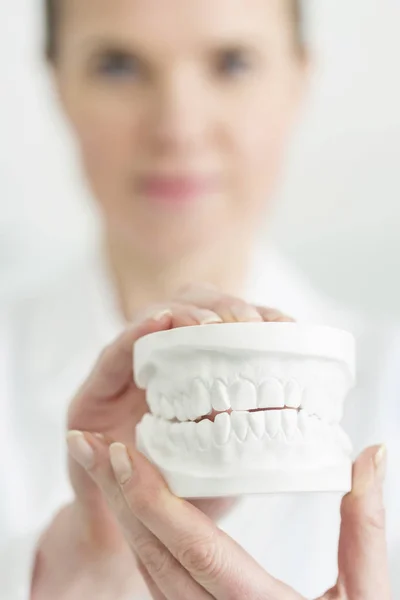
(271, 394)
(204, 433)
(201, 401)
(273, 422)
(166, 409)
(289, 423)
(243, 395)
(222, 428)
(240, 424)
(219, 396)
(257, 424)
(293, 394)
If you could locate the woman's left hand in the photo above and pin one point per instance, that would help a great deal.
(183, 554)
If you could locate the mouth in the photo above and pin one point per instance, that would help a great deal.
(179, 190)
(222, 415)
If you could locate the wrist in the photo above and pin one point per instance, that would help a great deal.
(76, 560)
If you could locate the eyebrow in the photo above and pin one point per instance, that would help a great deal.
(102, 44)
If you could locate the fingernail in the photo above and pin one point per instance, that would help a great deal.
(246, 313)
(159, 315)
(121, 463)
(80, 449)
(207, 317)
(380, 463)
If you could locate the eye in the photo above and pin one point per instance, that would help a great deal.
(119, 65)
(233, 62)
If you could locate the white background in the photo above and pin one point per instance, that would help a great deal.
(338, 209)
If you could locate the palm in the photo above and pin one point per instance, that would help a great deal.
(116, 418)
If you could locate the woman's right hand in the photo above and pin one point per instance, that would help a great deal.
(110, 404)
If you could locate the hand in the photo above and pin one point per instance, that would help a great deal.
(184, 555)
(109, 402)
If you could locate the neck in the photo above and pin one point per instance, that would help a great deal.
(144, 281)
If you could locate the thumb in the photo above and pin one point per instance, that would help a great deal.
(363, 561)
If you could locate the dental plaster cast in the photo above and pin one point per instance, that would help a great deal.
(245, 408)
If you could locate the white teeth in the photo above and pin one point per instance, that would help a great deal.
(312, 400)
(271, 394)
(219, 396)
(240, 424)
(303, 421)
(175, 434)
(272, 422)
(257, 424)
(222, 428)
(204, 432)
(166, 409)
(243, 395)
(189, 435)
(153, 400)
(201, 398)
(179, 409)
(293, 394)
(289, 423)
(336, 410)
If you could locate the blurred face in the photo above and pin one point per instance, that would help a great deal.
(182, 110)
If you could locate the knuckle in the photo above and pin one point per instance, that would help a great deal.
(376, 520)
(144, 500)
(365, 518)
(155, 558)
(200, 556)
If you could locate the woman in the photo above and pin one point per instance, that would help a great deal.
(182, 112)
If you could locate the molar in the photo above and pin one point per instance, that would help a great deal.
(303, 421)
(153, 400)
(243, 395)
(313, 400)
(175, 435)
(166, 409)
(271, 394)
(189, 435)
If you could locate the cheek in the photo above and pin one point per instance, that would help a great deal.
(107, 139)
(261, 133)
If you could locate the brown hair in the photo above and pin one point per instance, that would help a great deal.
(52, 16)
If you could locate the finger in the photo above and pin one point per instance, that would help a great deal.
(113, 370)
(229, 308)
(363, 560)
(273, 315)
(151, 586)
(213, 559)
(168, 576)
(183, 314)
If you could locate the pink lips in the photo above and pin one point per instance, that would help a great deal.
(177, 190)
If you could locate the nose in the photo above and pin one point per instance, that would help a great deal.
(181, 119)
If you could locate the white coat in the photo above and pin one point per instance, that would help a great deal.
(48, 344)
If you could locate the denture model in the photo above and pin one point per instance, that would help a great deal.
(243, 408)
